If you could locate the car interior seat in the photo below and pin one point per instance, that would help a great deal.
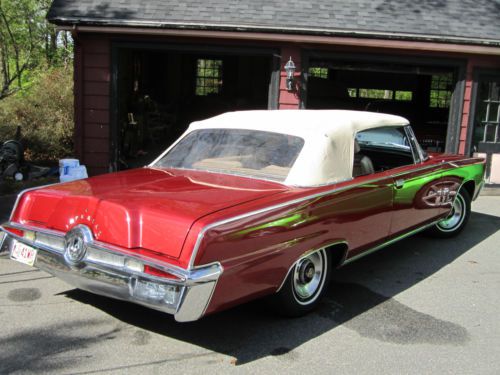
(362, 163)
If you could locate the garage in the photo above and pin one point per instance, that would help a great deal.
(422, 93)
(142, 73)
(160, 90)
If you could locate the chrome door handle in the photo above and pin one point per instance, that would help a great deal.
(399, 183)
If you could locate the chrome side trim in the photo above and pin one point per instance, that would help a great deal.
(471, 160)
(411, 138)
(19, 196)
(421, 169)
(390, 242)
(307, 253)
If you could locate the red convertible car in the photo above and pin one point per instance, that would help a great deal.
(245, 205)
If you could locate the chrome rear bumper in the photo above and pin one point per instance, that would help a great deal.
(104, 272)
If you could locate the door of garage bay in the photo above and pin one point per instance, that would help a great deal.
(428, 94)
(158, 90)
(485, 138)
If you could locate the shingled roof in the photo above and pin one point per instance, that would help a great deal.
(456, 21)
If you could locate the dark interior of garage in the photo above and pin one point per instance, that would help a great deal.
(421, 94)
(159, 93)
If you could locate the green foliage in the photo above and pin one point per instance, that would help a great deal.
(28, 41)
(44, 111)
(36, 81)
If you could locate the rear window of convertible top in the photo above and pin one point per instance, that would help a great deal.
(258, 154)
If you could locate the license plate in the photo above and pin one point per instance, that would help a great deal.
(23, 253)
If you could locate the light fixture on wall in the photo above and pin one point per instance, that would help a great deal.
(290, 71)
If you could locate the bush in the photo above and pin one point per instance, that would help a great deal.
(45, 113)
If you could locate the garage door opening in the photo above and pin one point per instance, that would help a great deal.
(421, 94)
(160, 92)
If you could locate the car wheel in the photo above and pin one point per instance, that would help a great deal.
(305, 284)
(456, 220)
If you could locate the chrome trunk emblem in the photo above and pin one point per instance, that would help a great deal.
(75, 244)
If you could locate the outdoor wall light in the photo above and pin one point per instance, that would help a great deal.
(290, 71)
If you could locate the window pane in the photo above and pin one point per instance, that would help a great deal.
(404, 95)
(385, 137)
(375, 94)
(318, 72)
(353, 93)
(208, 77)
(236, 151)
(387, 148)
(441, 90)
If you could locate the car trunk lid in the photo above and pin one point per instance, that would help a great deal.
(144, 208)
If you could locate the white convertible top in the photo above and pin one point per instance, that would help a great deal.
(328, 152)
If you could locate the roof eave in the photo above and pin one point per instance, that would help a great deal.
(81, 21)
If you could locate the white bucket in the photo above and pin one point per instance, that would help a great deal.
(71, 170)
(66, 164)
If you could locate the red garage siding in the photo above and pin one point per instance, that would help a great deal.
(289, 99)
(466, 108)
(92, 96)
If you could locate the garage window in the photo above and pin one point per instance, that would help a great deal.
(318, 72)
(208, 77)
(440, 93)
(375, 94)
(380, 94)
(406, 96)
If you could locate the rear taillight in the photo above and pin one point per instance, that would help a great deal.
(14, 231)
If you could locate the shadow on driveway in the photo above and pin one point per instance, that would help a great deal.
(360, 299)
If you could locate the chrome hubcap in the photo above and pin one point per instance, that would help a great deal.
(309, 277)
(455, 217)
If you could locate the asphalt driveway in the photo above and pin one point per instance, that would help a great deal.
(417, 307)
